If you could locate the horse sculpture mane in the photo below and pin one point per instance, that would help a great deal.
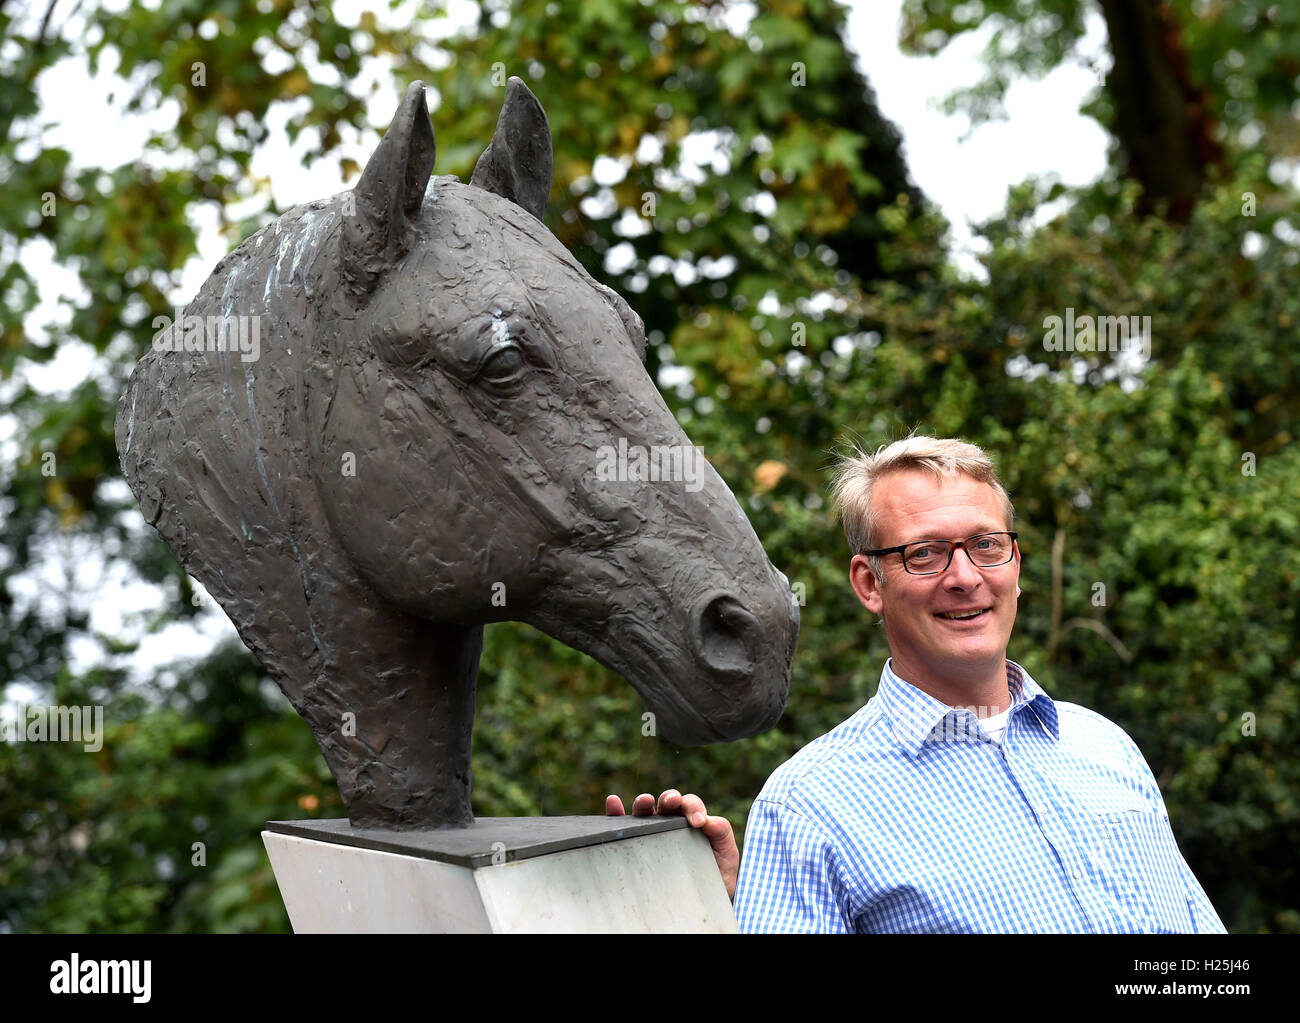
(404, 446)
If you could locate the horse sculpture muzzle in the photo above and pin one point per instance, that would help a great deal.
(447, 425)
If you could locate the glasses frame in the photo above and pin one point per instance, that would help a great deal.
(954, 545)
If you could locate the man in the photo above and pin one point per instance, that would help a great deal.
(961, 797)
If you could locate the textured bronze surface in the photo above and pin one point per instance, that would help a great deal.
(424, 442)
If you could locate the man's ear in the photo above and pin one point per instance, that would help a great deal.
(865, 584)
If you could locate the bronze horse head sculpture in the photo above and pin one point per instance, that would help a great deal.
(421, 443)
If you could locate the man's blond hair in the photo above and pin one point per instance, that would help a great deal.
(856, 475)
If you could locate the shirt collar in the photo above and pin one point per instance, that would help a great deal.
(913, 715)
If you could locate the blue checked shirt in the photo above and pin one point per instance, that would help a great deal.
(909, 818)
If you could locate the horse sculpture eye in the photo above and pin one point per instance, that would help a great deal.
(502, 366)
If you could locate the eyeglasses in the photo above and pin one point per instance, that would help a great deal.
(930, 557)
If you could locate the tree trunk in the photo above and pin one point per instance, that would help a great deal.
(1162, 120)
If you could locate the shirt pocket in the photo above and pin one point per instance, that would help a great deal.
(1138, 865)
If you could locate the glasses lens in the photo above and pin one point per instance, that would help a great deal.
(926, 556)
(990, 549)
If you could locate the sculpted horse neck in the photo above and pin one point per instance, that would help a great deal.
(420, 447)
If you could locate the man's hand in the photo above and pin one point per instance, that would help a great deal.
(716, 829)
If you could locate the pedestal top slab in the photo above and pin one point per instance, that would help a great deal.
(488, 841)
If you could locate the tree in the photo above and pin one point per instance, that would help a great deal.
(797, 297)
(809, 171)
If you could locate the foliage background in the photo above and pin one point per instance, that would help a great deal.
(798, 297)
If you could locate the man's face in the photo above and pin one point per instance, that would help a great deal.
(912, 505)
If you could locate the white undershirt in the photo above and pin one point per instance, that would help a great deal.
(996, 725)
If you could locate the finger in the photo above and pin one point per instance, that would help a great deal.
(669, 802)
(693, 809)
(614, 807)
(718, 831)
(644, 805)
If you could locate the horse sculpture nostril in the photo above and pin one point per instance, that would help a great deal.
(726, 635)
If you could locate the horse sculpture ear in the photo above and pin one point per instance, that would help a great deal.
(392, 186)
(517, 163)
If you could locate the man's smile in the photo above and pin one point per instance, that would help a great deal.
(971, 614)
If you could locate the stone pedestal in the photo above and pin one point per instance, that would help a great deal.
(502, 875)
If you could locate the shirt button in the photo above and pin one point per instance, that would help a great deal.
(1075, 872)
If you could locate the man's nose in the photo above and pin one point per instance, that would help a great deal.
(962, 571)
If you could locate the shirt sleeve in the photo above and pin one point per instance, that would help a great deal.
(1204, 916)
(1207, 920)
(789, 880)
